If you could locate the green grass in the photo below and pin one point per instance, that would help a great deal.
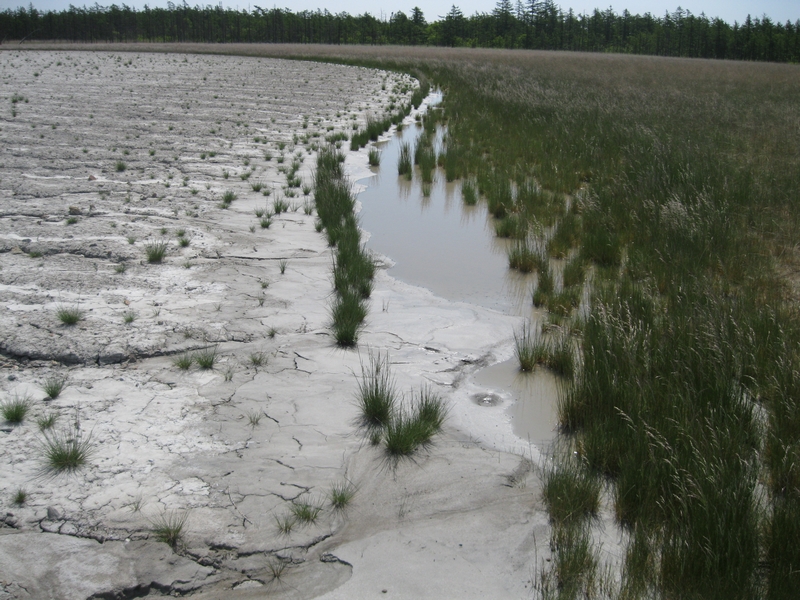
(156, 251)
(469, 192)
(168, 527)
(285, 523)
(404, 166)
(16, 409)
(66, 450)
(376, 398)
(69, 315)
(374, 157)
(571, 491)
(20, 497)
(305, 512)
(54, 385)
(183, 361)
(341, 495)
(529, 347)
(48, 421)
(206, 358)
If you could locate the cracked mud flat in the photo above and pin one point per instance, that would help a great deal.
(232, 447)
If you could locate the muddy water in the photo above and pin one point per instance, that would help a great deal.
(438, 243)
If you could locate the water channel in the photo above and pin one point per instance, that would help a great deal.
(439, 243)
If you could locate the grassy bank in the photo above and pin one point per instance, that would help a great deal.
(671, 185)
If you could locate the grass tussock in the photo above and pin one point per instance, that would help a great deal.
(66, 450)
(403, 428)
(15, 409)
(168, 527)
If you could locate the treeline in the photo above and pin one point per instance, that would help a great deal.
(533, 24)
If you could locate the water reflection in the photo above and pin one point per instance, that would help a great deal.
(437, 242)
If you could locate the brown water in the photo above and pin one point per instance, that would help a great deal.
(439, 243)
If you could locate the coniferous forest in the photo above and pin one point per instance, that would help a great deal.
(533, 24)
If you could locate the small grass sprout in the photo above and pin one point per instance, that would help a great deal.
(20, 497)
(282, 265)
(285, 523)
(254, 417)
(47, 421)
(129, 316)
(276, 567)
(258, 359)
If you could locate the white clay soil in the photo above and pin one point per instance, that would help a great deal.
(103, 155)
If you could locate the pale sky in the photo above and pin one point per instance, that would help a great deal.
(728, 10)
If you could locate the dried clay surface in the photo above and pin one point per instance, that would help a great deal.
(107, 159)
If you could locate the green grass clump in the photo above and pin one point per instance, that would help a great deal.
(47, 421)
(66, 450)
(155, 251)
(377, 397)
(206, 358)
(305, 512)
(16, 409)
(341, 495)
(523, 257)
(120, 166)
(469, 192)
(69, 315)
(347, 318)
(183, 361)
(228, 197)
(404, 166)
(529, 347)
(54, 385)
(20, 497)
(374, 157)
(168, 527)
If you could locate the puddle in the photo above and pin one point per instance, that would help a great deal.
(438, 243)
(533, 409)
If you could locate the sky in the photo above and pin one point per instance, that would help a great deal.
(728, 10)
